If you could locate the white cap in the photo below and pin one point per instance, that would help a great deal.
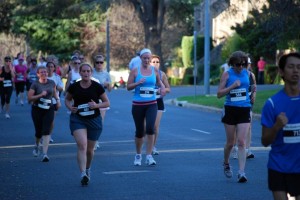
(145, 51)
(249, 60)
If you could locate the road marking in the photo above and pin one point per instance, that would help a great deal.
(62, 144)
(126, 172)
(197, 130)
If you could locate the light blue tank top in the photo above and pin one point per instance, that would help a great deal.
(145, 92)
(239, 96)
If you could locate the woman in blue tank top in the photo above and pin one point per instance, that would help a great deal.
(234, 84)
(144, 107)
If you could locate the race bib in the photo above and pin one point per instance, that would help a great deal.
(7, 83)
(84, 110)
(20, 77)
(146, 92)
(32, 77)
(44, 103)
(157, 93)
(291, 133)
(238, 94)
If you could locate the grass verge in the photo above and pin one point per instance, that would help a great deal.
(212, 100)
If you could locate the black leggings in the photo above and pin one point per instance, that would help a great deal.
(42, 120)
(20, 86)
(6, 93)
(140, 113)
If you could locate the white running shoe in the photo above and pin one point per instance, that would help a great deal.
(234, 152)
(97, 146)
(150, 160)
(154, 151)
(7, 116)
(137, 160)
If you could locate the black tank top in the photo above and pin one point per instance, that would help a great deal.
(6, 75)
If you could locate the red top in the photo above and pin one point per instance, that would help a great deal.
(261, 65)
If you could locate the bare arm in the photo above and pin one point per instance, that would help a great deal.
(253, 88)
(130, 82)
(223, 90)
(69, 103)
(68, 80)
(31, 97)
(269, 134)
(166, 82)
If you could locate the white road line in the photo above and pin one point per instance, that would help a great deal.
(197, 130)
(126, 172)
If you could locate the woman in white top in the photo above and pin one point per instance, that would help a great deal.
(104, 79)
(73, 75)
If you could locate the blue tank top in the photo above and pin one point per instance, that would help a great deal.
(145, 92)
(32, 76)
(239, 96)
(284, 155)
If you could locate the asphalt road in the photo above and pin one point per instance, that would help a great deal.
(189, 165)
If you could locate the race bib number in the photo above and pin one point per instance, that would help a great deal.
(146, 92)
(44, 103)
(84, 110)
(20, 77)
(291, 133)
(32, 77)
(7, 83)
(238, 94)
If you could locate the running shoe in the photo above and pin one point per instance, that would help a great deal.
(138, 160)
(250, 154)
(22, 103)
(150, 160)
(154, 151)
(97, 146)
(84, 179)
(51, 140)
(88, 172)
(242, 178)
(45, 158)
(234, 152)
(35, 151)
(7, 116)
(227, 170)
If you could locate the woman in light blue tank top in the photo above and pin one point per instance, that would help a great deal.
(142, 80)
(234, 84)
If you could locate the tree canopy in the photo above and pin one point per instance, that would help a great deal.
(276, 27)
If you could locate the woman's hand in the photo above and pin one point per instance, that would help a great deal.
(93, 104)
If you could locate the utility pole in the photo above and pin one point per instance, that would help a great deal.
(195, 60)
(207, 48)
(107, 47)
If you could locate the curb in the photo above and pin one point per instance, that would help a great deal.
(185, 104)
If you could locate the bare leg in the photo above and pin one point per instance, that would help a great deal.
(80, 136)
(242, 132)
(138, 145)
(156, 126)
(230, 139)
(150, 141)
(46, 139)
(90, 153)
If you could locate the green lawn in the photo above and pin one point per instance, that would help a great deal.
(213, 101)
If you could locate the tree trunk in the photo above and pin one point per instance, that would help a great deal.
(151, 13)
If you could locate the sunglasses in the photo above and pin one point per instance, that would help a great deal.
(77, 63)
(240, 64)
(81, 58)
(99, 62)
(7, 60)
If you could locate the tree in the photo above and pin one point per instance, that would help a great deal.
(275, 27)
(59, 27)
